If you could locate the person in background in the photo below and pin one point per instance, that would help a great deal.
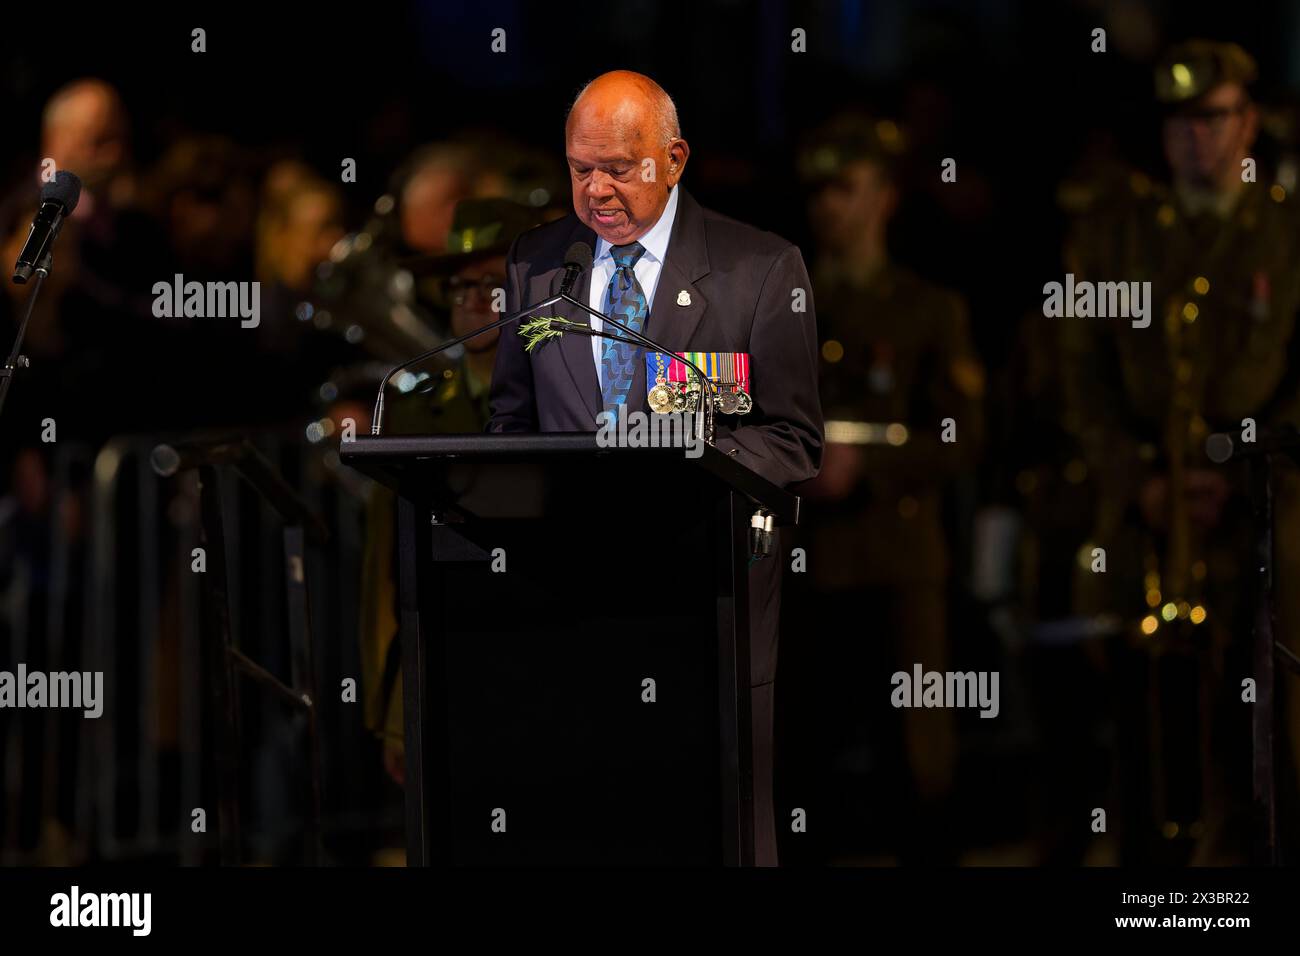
(1220, 247)
(452, 400)
(897, 365)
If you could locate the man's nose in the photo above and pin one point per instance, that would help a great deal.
(600, 185)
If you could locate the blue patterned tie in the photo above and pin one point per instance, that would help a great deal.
(624, 301)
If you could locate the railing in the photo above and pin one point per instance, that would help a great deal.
(221, 656)
(123, 600)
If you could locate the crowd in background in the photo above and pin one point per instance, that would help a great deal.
(960, 555)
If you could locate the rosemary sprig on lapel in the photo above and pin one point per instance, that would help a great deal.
(538, 331)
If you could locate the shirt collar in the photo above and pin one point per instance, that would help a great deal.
(655, 242)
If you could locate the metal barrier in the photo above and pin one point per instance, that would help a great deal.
(46, 641)
(123, 600)
(221, 656)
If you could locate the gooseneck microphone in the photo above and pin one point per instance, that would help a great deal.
(576, 261)
(59, 198)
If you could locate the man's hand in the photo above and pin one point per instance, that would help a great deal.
(395, 761)
(1206, 492)
(841, 469)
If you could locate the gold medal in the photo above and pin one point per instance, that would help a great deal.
(660, 398)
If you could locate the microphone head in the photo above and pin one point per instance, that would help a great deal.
(64, 189)
(1219, 447)
(579, 254)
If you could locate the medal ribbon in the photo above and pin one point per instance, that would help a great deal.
(718, 366)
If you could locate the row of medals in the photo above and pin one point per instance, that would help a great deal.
(730, 398)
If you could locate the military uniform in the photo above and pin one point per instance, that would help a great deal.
(895, 350)
(896, 361)
(1224, 293)
(1225, 289)
(896, 357)
(454, 402)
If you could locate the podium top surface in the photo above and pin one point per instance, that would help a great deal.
(378, 456)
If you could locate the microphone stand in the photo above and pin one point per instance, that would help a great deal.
(378, 416)
(16, 359)
(703, 417)
(761, 524)
(1266, 650)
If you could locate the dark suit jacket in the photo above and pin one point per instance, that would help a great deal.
(741, 282)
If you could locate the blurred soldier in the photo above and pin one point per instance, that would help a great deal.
(299, 220)
(452, 401)
(470, 273)
(203, 192)
(476, 165)
(300, 217)
(439, 177)
(897, 363)
(376, 290)
(107, 258)
(84, 130)
(1220, 249)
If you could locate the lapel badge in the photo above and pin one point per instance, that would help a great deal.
(683, 298)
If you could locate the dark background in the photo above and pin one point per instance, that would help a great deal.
(1010, 89)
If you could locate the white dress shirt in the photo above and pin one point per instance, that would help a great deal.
(647, 271)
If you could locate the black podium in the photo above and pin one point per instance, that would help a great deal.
(575, 647)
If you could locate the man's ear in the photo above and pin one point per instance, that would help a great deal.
(678, 152)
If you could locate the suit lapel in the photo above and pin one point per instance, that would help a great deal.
(672, 323)
(575, 348)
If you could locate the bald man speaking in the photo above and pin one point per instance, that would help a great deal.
(692, 280)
